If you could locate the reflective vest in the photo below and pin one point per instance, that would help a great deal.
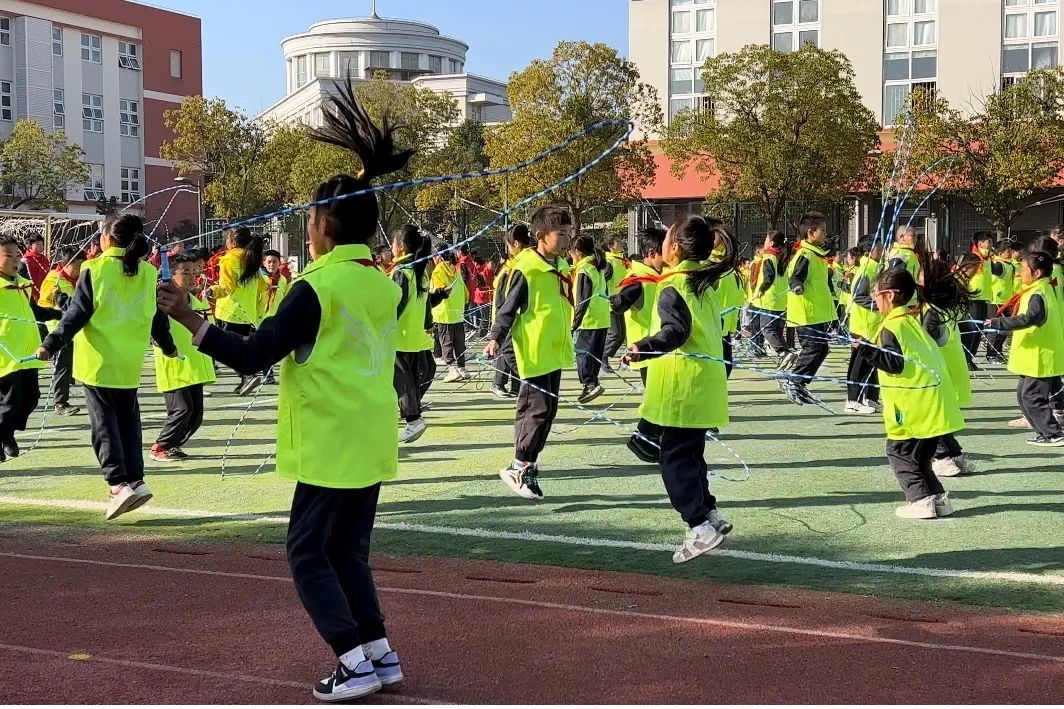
(109, 350)
(1039, 351)
(980, 282)
(1002, 287)
(1017, 281)
(196, 368)
(19, 336)
(814, 306)
(411, 336)
(683, 391)
(730, 299)
(238, 303)
(563, 266)
(500, 286)
(775, 298)
(907, 253)
(864, 321)
(597, 315)
(620, 269)
(52, 285)
(344, 388)
(637, 319)
(273, 294)
(542, 333)
(451, 310)
(920, 402)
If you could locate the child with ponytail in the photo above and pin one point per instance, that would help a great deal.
(240, 292)
(334, 334)
(507, 384)
(409, 272)
(919, 403)
(591, 314)
(686, 385)
(110, 319)
(57, 289)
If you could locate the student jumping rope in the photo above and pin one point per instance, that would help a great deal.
(506, 384)
(688, 395)
(410, 250)
(1037, 352)
(1002, 288)
(591, 316)
(110, 319)
(919, 404)
(862, 388)
(538, 314)
(334, 334)
(449, 313)
(980, 285)
(276, 288)
(240, 292)
(19, 338)
(769, 297)
(57, 289)
(616, 270)
(810, 307)
(181, 379)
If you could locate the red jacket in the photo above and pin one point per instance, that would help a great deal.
(485, 277)
(37, 267)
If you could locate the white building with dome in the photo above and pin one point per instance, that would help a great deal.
(411, 52)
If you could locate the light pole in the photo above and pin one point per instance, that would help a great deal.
(199, 203)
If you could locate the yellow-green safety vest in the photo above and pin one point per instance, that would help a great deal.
(907, 253)
(597, 315)
(864, 322)
(451, 310)
(109, 350)
(239, 303)
(1039, 351)
(411, 336)
(542, 333)
(684, 391)
(956, 363)
(616, 262)
(345, 382)
(920, 402)
(730, 298)
(19, 336)
(637, 320)
(814, 306)
(775, 298)
(273, 295)
(980, 282)
(52, 285)
(195, 368)
(1002, 287)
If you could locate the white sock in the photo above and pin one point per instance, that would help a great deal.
(703, 528)
(352, 658)
(376, 649)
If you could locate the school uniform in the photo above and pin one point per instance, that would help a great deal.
(181, 381)
(685, 396)
(19, 337)
(591, 319)
(449, 314)
(615, 272)
(239, 304)
(980, 285)
(919, 403)
(538, 313)
(57, 289)
(1002, 288)
(505, 365)
(769, 298)
(864, 322)
(334, 334)
(730, 298)
(412, 339)
(635, 300)
(810, 307)
(110, 319)
(1037, 353)
(947, 336)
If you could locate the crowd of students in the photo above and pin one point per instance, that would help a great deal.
(359, 334)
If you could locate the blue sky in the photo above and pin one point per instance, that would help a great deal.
(241, 38)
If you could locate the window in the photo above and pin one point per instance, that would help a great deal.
(925, 7)
(808, 37)
(347, 63)
(923, 33)
(783, 12)
(58, 108)
(175, 64)
(911, 60)
(130, 184)
(129, 118)
(681, 52)
(5, 101)
(380, 60)
(409, 60)
(94, 187)
(703, 50)
(781, 41)
(5, 30)
(1029, 21)
(301, 70)
(809, 10)
(91, 48)
(322, 64)
(705, 20)
(1045, 24)
(681, 22)
(92, 113)
(476, 113)
(795, 23)
(1016, 26)
(128, 56)
(454, 66)
(1016, 3)
(898, 35)
(57, 41)
(681, 80)
(435, 64)
(692, 42)
(896, 8)
(1044, 55)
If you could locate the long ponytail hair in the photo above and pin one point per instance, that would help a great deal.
(251, 261)
(419, 247)
(943, 290)
(348, 126)
(127, 232)
(697, 238)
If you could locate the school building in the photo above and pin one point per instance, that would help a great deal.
(104, 71)
(960, 49)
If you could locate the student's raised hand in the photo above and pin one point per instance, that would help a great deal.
(171, 300)
(491, 350)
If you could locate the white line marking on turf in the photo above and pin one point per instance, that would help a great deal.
(737, 625)
(225, 676)
(971, 574)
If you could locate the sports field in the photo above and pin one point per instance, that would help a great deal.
(814, 511)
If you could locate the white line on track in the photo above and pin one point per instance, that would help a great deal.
(968, 574)
(737, 625)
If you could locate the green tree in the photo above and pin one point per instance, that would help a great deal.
(462, 153)
(996, 156)
(37, 168)
(553, 99)
(784, 126)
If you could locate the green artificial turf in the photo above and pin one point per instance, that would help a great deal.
(818, 486)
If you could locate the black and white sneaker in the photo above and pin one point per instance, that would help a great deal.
(1042, 441)
(590, 393)
(344, 684)
(644, 449)
(249, 384)
(532, 481)
(388, 670)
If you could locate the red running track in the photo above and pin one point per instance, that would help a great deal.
(108, 620)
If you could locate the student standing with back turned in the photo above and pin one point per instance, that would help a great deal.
(810, 306)
(591, 318)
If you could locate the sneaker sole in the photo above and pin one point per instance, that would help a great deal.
(1040, 444)
(251, 386)
(391, 681)
(725, 528)
(591, 397)
(122, 509)
(514, 488)
(416, 436)
(353, 693)
(139, 501)
(943, 512)
(717, 541)
(641, 454)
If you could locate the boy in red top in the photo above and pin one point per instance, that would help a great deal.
(482, 295)
(36, 263)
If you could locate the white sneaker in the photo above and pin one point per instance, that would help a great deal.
(121, 501)
(1021, 422)
(514, 477)
(943, 507)
(920, 509)
(946, 468)
(873, 404)
(719, 523)
(857, 407)
(962, 463)
(465, 374)
(440, 361)
(413, 431)
(701, 539)
(453, 375)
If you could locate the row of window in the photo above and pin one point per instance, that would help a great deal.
(130, 178)
(92, 113)
(319, 65)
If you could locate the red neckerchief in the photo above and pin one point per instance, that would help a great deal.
(1014, 301)
(63, 274)
(271, 288)
(755, 272)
